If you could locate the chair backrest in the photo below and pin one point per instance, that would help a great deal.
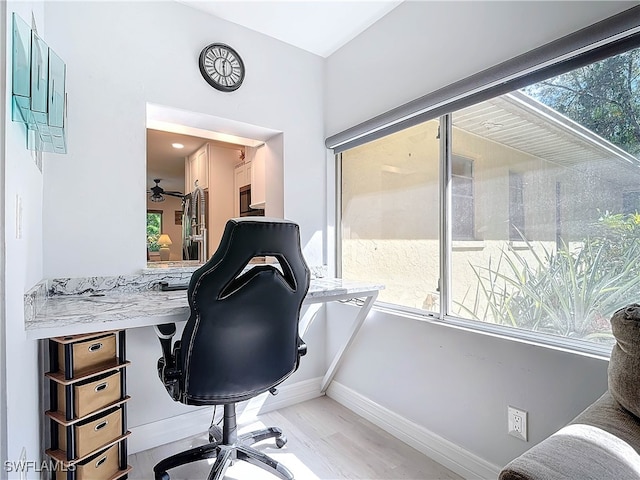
(241, 338)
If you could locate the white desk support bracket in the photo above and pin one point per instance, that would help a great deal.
(314, 307)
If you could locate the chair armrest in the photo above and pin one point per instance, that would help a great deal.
(166, 330)
(165, 333)
(168, 370)
(302, 351)
(302, 348)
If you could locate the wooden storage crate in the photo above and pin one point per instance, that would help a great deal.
(101, 466)
(86, 355)
(92, 394)
(93, 432)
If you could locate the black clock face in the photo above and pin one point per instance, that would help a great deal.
(221, 67)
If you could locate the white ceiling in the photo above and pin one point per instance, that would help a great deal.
(166, 125)
(167, 163)
(318, 26)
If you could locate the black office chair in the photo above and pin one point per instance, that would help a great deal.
(241, 338)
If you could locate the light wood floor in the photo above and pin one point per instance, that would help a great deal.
(326, 441)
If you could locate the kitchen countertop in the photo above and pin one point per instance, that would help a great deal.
(116, 308)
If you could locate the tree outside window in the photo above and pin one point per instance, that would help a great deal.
(154, 229)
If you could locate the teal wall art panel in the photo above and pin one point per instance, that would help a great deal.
(21, 69)
(38, 89)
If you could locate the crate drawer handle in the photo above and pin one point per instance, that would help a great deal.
(101, 387)
(95, 347)
(100, 426)
(101, 461)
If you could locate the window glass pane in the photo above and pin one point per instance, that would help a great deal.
(461, 167)
(462, 193)
(516, 207)
(390, 223)
(462, 218)
(555, 182)
(462, 187)
(631, 202)
(154, 229)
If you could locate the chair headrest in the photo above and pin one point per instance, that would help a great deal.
(248, 237)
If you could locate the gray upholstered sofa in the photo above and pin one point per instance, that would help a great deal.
(603, 442)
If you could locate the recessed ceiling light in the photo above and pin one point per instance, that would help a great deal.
(177, 145)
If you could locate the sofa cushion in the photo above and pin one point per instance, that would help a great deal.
(624, 365)
(601, 443)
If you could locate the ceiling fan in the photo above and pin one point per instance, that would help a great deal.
(158, 193)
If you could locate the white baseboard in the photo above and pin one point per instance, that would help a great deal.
(150, 435)
(460, 461)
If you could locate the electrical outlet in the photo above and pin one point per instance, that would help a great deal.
(517, 422)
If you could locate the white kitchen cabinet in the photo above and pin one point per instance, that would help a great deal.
(202, 166)
(241, 175)
(241, 178)
(197, 169)
(187, 175)
(188, 163)
(257, 175)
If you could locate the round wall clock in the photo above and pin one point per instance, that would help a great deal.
(221, 67)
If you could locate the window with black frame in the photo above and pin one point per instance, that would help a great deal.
(543, 179)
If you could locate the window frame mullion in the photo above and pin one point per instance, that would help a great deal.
(338, 215)
(445, 213)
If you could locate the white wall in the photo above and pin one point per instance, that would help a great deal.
(132, 53)
(23, 266)
(455, 383)
(3, 386)
(422, 46)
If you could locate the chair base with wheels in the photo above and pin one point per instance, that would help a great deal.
(229, 448)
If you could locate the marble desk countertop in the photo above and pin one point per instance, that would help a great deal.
(90, 312)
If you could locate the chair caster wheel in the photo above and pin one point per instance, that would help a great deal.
(281, 441)
(162, 476)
